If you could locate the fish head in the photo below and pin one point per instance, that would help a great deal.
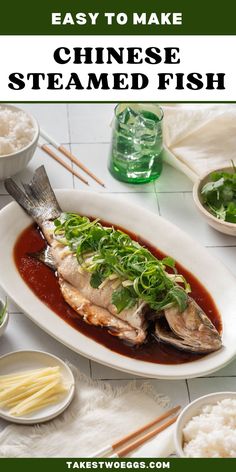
(191, 330)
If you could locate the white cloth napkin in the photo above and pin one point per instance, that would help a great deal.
(97, 416)
(199, 137)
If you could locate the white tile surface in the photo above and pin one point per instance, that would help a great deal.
(86, 129)
(146, 200)
(228, 371)
(172, 180)
(4, 200)
(23, 334)
(176, 391)
(199, 387)
(227, 255)
(52, 118)
(102, 372)
(90, 123)
(59, 177)
(180, 209)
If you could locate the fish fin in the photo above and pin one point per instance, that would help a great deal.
(38, 198)
(44, 256)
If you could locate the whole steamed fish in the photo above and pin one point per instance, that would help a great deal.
(112, 281)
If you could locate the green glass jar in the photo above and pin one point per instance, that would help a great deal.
(136, 147)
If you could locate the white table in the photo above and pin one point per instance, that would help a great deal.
(85, 129)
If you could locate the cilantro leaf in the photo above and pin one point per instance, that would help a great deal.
(227, 193)
(211, 186)
(168, 261)
(219, 195)
(122, 298)
(180, 297)
(96, 279)
(231, 213)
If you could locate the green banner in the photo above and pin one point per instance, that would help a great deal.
(124, 17)
(153, 464)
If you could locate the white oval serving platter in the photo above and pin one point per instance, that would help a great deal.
(20, 361)
(164, 235)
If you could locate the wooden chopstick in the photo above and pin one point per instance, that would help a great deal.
(79, 164)
(70, 156)
(126, 450)
(52, 154)
(116, 445)
(130, 436)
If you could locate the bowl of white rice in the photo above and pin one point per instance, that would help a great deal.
(207, 427)
(19, 133)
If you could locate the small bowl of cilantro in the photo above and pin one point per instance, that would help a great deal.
(215, 197)
(3, 317)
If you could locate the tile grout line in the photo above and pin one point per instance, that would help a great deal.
(77, 143)
(158, 203)
(216, 377)
(69, 144)
(90, 369)
(103, 379)
(90, 142)
(223, 246)
(188, 391)
(68, 123)
(169, 192)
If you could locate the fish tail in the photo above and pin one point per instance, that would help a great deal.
(38, 198)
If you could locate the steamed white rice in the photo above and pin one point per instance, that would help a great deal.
(16, 130)
(213, 432)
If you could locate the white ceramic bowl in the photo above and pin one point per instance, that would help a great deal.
(194, 409)
(4, 324)
(11, 164)
(219, 225)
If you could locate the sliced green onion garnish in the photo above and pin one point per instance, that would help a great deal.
(106, 252)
